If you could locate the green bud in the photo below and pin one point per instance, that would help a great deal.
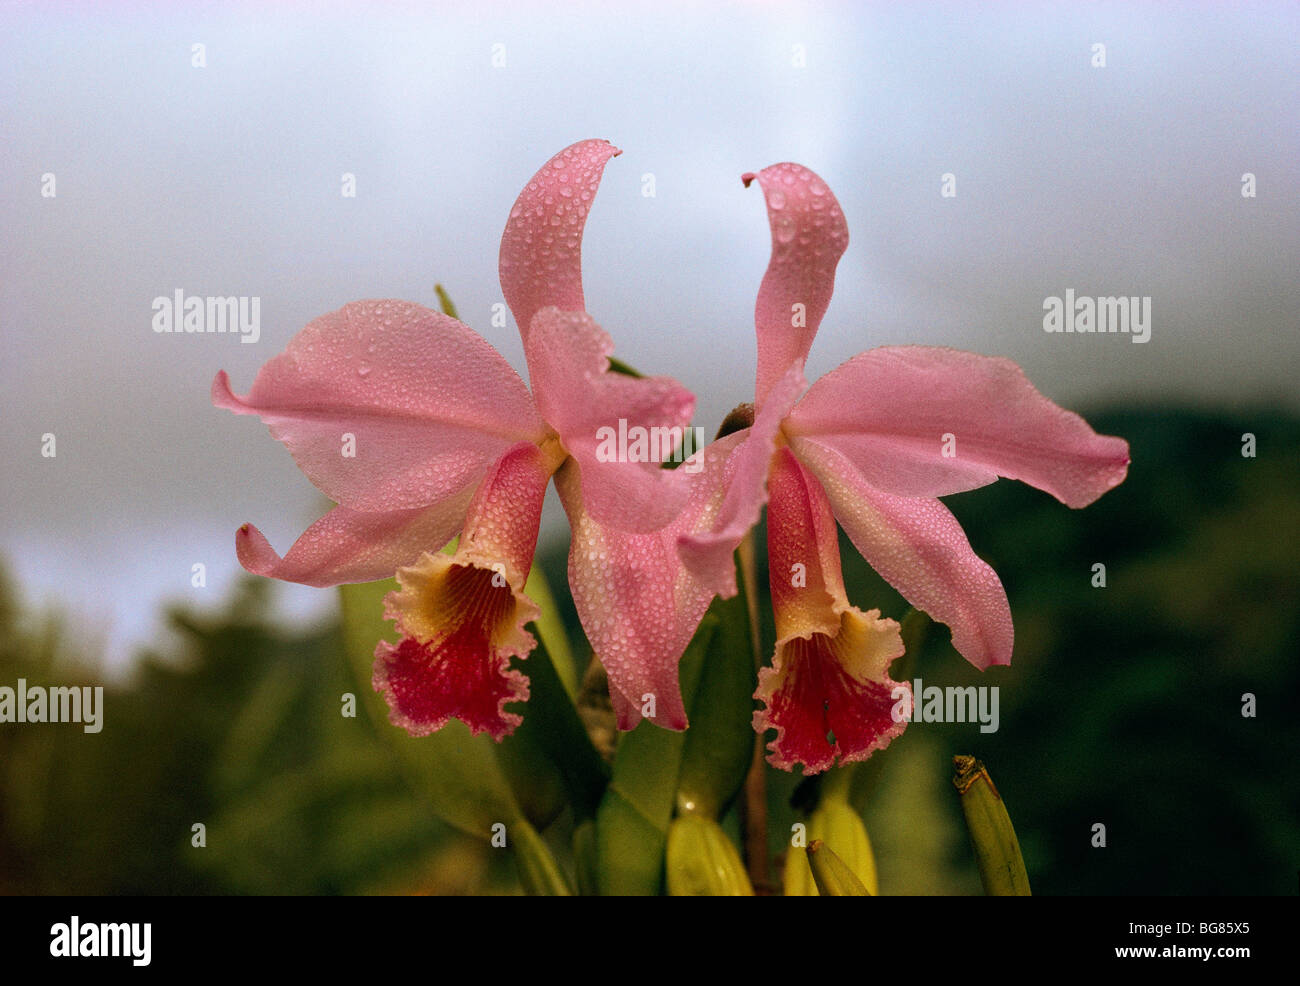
(997, 851)
(832, 876)
(702, 861)
(834, 823)
(444, 301)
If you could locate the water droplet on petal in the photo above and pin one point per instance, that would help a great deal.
(776, 200)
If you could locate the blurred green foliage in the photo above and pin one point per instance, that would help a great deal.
(1122, 707)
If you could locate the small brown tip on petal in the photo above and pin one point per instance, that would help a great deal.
(748, 177)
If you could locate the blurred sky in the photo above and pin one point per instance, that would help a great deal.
(225, 180)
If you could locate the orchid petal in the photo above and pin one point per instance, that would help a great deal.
(809, 235)
(354, 546)
(917, 546)
(638, 604)
(618, 428)
(387, 405)
(708, 554)
(541, 250)
(927, 421)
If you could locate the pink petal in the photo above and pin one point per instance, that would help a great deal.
(803, 553)
(618, 428)
(503, 519)
(828, 693)
(638, 603)
(708, 554)
(428, 403)
(541, 249)
(351, 546)
(895, 411)
(809, 235)
(918, 547)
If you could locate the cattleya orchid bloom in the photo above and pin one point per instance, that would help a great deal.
(445, 438)
(873, 444)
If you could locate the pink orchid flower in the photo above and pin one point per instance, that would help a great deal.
(872, 445)
(420, 430)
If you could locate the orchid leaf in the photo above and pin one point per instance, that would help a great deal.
(720, 742)
(539, 873)
(635, 812)
(456, 774)
(549, 758)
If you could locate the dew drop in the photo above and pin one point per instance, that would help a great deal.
(777, 199)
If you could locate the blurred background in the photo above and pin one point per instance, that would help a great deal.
(134, 164)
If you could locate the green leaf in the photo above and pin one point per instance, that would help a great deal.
(584, 858)
(549, 629)
(455, 774)
(549, 757)
(634, 814)
(444, 302)
(720, 741)
(618, 366)
(539, 873)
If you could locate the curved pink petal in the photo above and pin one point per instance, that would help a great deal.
(828, 693)
(638, 603)
(387, 405)
(918, 547)
(927, 421)
(352, 546)
(809, 235)
(617, 427)
(708, 554)
(541, 249)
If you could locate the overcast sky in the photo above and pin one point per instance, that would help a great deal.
(226, 179)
